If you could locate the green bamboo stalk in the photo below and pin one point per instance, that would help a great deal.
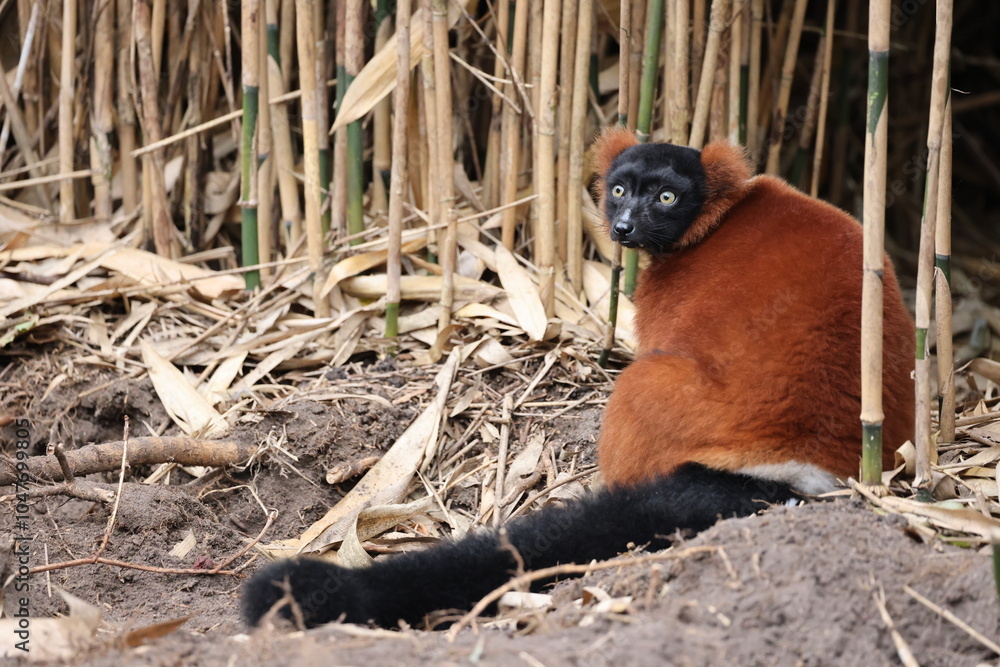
(942, 293)
(624, 48)
(354, 53)
(248, 150)
(647, 95)
(872, 414)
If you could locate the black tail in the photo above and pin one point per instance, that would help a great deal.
(455, 575)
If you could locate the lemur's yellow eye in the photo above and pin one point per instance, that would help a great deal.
(667, 198)
(617, 191)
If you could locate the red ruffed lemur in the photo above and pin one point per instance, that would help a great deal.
(745, 390)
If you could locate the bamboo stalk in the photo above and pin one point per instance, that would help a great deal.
(381, 127)
(624, 99)
(545, 251)
(323, 112)
(942, 305)
(567, 107)
(102, 118)
(428, 96)
(491, 170)
(397, 189)
(643, 129)
(777, 39)
(798, 172)
(718, 121)
(442, 91)
(126, 110)
(785, 90)
(265, 159)
(698, 43)
(286, 42)
(338, 186)
(67, 86)
(354, 54)
(578, 130)
(249, 29)
(872, 414)
(194, 168)
(636, 49)
(305, 38)
(753, 78)
(669, 83)
(717, 23)
(735, 53)
(925, 450)
(824, 96)
(27, 46)
(511, 129)
(281, 132)
(680, 98)
(162, 228)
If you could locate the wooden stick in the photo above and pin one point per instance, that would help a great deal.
(67, 79)
(717, 23)
(785, 90)
(398, 185)
(925, 259)
(872, 414)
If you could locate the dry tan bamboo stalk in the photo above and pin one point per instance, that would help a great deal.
(286, 43)
(281, 132)
(306, 42)
(799, 171)
(872, 413)
(698, 43)
(717, 23)
(491, 170)
(566, 108)
(511, 129)
(753, 78)
(193, 176)
(397, 189)
(158, 32)
(680, 98)
(442, 90)
(785, 90)
(578, 131)
(824, 97)
(381, 138)
(718, 120)
(925, 451)
(535, 47)
(942, 304)
(624, 45)
(126, 110)
(428, 97)
(735, 54)
(545, 251)
(265, 169)
(67, 85)
(637, 45)
(162, 227)
(249, 185)
(670, 76)
(103, 118)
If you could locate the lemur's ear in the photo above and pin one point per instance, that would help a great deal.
(728, 171)
(609, 145)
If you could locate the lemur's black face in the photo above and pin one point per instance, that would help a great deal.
(653, 194)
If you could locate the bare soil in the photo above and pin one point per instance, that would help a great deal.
(795, 586)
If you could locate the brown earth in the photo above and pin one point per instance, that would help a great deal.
(795, 586)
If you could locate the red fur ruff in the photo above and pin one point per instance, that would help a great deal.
(749, 338)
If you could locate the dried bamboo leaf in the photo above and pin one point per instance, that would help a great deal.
(356, 264)
(186, 407)
(524, 297)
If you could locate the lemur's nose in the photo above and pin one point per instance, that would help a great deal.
(623, 228)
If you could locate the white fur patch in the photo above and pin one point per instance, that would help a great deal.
(803, 477)
(626, 216)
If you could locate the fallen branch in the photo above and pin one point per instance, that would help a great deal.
(141, 451)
